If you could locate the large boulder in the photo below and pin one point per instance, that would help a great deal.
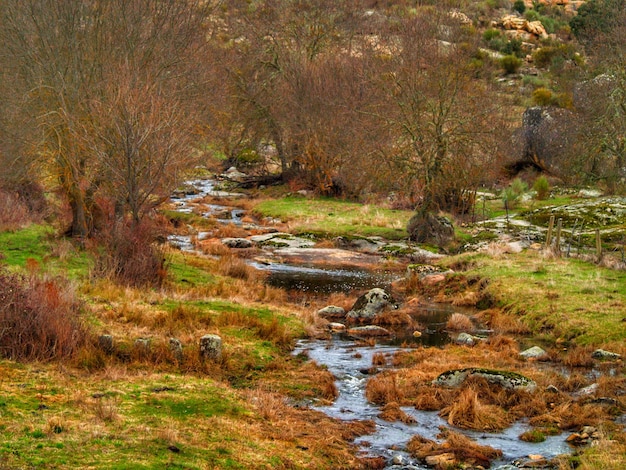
(546, 137)
(510, 380)
(371, 304)
(426, 227)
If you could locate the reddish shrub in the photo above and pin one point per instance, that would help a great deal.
(127, 253)
(39, 319)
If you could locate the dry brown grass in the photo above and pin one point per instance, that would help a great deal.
(393, 412)
(395, 318)
(14, 214)
(230, 231)
(502, 323)
(468, 412)
(464, 449)
(214, 247)
(467, 298)
(579, 356)
(379, 359)
(572, 416)
(459, 322)
(40, 318)
(237, 268)
(383, 389)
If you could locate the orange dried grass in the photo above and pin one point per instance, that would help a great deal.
(468, 412)
(393, 412)
(459, 322)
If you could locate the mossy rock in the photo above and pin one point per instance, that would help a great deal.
(510, 380)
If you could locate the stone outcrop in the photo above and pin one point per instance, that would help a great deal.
(371, 304)
(510, 380)
(516, 23)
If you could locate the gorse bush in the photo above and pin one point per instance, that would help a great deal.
(39, 318)
(510, 63)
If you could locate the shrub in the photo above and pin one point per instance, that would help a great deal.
(511, 195)
(542, 97)
(39, 318)
(542, 188)
(13, 213)
(127, 253)
(510, 63)
(490, 34)
(519, 6)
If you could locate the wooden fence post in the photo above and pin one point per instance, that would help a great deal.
(549, 234)
(559, 225)
(598, 245)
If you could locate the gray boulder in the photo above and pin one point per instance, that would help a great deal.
(534, 353)
(211, 347)
(605, 355)
(332, 312)
(237, 242)
(510, 380)
(371, 304)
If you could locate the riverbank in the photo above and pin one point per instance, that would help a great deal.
(257, 406)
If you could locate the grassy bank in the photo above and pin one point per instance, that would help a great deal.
(332, 218)
(557, 298)
(136, 408)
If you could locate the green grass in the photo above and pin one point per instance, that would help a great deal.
(331, 218)
(52, 253)
(557, 298)
(190, 271)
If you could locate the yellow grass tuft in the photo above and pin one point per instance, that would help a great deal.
(467, 412)
(459, 322)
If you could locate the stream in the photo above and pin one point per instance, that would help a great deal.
(345, 360)
(349, 361)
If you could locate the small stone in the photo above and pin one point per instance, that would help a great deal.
(105, 342)
(442, 460)
(417, 334)
(176, 348)
(552, 389)
(397, 460)
(466, 339)
(534, 353)
(589, 390)
(605, 355)
(211, 347)
(332, 311)
(142, 346)
(369, 331)
(237, 242)
(336, 327)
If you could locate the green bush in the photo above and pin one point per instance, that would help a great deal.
(518, 186)
(542, 97)
(541, 186)
(490, 34)
(510, 63)
(519, 6)
(511, 195)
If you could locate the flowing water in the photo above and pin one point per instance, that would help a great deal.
(323, 280)
(349, 363)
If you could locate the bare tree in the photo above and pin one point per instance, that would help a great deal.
(109, 84)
